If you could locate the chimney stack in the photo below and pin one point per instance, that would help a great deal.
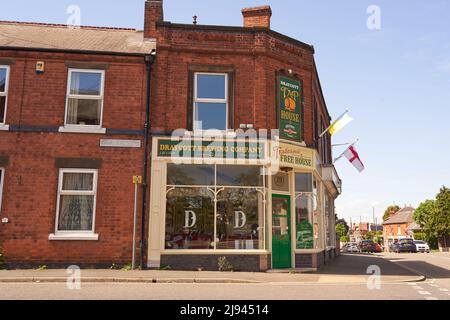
(257, 17)
(154, 13)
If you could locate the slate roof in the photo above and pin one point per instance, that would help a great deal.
(404, 215)
(61, 37)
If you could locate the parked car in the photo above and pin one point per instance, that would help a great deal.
(367, 246)
(422, 246)
(405, 245)
(378, 248)
(350, 247)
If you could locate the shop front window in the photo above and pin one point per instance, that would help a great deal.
(304, 221)
(239, 212)
(190, 219)
(235, 195)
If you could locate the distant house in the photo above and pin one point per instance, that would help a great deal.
(400, 225)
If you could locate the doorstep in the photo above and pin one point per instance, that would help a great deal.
(293, 270)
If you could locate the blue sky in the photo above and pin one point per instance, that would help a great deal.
(395, 81)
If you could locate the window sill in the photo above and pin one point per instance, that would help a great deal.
(82, 129)
(4, 127)
(73, 236)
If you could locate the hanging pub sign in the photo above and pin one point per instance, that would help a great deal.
(290, 109)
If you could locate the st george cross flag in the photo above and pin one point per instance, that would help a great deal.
(354, 159)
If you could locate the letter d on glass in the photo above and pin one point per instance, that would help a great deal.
(74, 278)
(190, 219)
(374, 281)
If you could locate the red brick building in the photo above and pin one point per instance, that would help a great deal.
(218, 89)
(71, 95)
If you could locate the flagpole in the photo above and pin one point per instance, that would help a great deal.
(323, 133)
(338, 158)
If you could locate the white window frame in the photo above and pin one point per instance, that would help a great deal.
(3, 125)
(203, 100)
(76, 235)
(2, 181)
(79, 128)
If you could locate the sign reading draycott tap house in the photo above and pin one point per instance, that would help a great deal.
(290, 109)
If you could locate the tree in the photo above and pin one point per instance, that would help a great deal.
(390, 211)
(341, 231)
(434, 216)
(342, 221)
(424, 217)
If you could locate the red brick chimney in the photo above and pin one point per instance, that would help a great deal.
(257, 17)
(153, 13)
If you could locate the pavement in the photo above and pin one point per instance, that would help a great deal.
(347, 268)
(403, 277)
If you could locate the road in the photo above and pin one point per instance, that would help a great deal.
(437, 287)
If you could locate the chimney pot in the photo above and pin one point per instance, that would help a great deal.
(154, 13)
(257, 17)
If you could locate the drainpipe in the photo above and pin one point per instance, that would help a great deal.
(149, 60)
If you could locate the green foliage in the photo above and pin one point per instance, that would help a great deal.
(115, 267)
(341, 231)
(420, 236)
(127, 267)
(165, 267)
(345, 238)
(434, 216)
(43, 267)
(390, 211)
(224, 265)
(342, 221)
(442, 213)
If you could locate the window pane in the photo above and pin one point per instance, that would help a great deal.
(304, 221)
(83, 112)
(2, 79)
(189, 219)
(240, 216)
(78, 182)
(85, 83)
(244, 176)
(192, 175)
(211, 116)
(211, 86)
(75, 213)
(303, 182)
(2, 109)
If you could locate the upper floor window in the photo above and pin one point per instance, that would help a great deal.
(211, 101)
(2, 174)
(4, 82)
(84, 105)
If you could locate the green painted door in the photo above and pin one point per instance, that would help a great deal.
(281, 232)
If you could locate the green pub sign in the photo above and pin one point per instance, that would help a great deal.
(290, 109)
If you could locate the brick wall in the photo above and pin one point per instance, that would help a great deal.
(36, 107)
(254, 55)
(208, 262)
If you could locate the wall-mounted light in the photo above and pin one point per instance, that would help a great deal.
(5, 220)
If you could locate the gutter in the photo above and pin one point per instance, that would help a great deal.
(149, 60)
